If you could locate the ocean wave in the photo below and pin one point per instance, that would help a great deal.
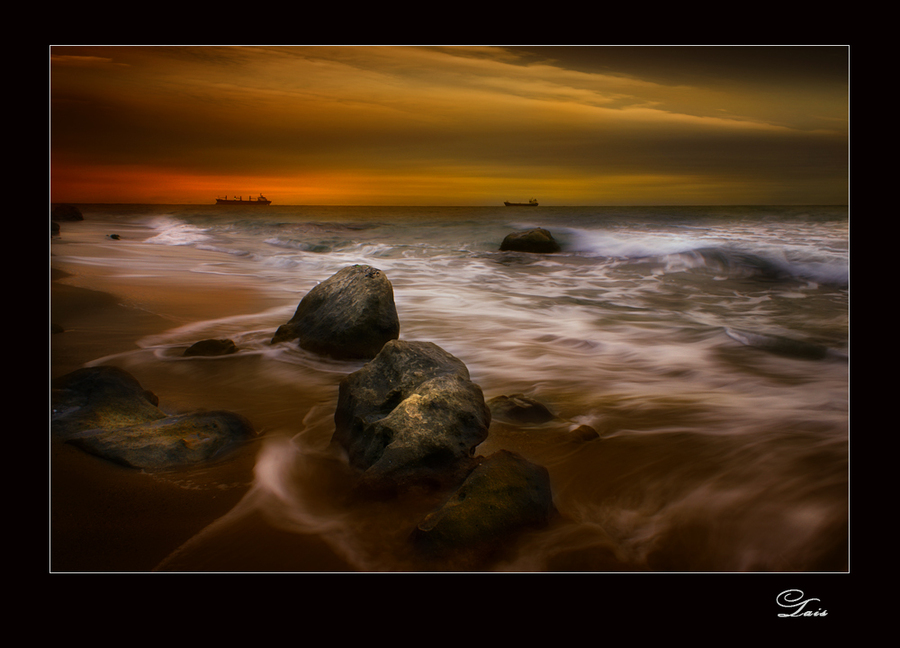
(301, 246)
(175, 232)
(712, 252)
(624, 246)
(674, 252)
(834, 273)
(223, 250)
(729, 263)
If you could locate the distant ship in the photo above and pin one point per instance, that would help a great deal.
(530, 203)
(240, 201)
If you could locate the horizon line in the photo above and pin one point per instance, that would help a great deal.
(204, 204)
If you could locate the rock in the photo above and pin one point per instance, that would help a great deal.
(54, 228)
(584, 433)
(106, 412)
(505, 494)
(66, 213)
(519, 408)
(168, 442)
(782, 346)
(350, 315)
(411, 417)
(100, 397)
(533, 240)
(211, 348)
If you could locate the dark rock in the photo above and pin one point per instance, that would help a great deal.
(350, 315)
(54, 228)
(782, 346)
(519, 408)
(211, 348)
(505, 494)
(66, 213)
(105, 411)
(584, 433)
(168, 442)
(113, 237)
(533, 240)
(411, 417)
(100, 397)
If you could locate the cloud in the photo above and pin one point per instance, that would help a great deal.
(409, 111)
(79, 61)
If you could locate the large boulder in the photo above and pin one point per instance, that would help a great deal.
(106, 412)
(411, 417)
(533, 240)
(350, 315)
(503, 496)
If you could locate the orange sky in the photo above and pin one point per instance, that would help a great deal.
(404, 125)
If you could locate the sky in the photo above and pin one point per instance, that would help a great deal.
(450, 125)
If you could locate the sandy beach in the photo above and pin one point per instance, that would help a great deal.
(707, 455)
(104, 517)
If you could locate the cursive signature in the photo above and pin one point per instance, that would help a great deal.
(794, 598)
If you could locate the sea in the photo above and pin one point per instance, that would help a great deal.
(696, 360)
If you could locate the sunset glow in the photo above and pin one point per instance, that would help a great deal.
(404, 125)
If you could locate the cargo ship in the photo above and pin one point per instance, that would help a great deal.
(530, 203)
(240, 201)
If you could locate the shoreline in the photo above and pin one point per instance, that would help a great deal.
(106, 518)
(137, 305)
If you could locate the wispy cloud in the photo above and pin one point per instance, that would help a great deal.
(430, 116)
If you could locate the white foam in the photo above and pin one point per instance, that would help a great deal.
(174, 232)
(630, 245)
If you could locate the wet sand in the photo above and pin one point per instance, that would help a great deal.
(106, 518)
(135, 306)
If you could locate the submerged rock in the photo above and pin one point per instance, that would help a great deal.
(533, 240)
(211, 348)
(411, 416)
(519, 408)
(106, 412)
(782, 346)
(505, 494)
(350, 315)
